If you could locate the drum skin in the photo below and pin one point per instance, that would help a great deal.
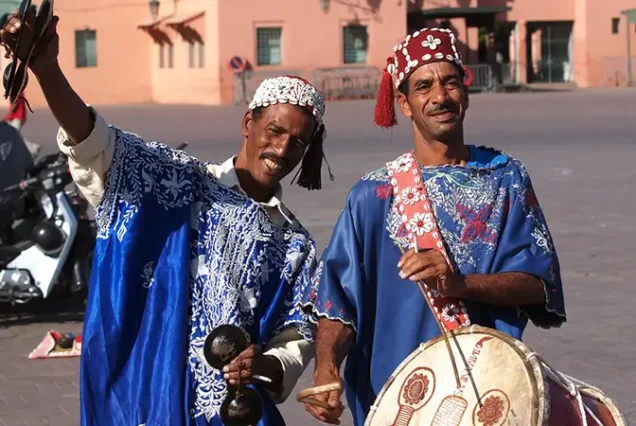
(506, 384)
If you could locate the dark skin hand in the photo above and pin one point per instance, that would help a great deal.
(333, 342)
(504, 289)
(251, 362)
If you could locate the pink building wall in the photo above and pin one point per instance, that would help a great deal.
(122, 74)
(600, 56)
(310, 38)
(128, 53)
(182, 84)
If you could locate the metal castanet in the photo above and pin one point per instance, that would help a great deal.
(15, 77)
(223, 344)
(243, 406)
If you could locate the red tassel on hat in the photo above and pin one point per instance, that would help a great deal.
(385, 104)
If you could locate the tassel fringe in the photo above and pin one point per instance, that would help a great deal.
(385, 104)
(309, 174)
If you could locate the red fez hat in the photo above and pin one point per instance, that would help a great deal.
(420, 48)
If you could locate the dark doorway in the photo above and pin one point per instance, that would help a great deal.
(549, 47)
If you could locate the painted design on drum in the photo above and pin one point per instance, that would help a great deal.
(493, 410)
(417, 390)
(450, 411)
(452, 408)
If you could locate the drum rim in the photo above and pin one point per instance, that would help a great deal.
(533, 368)
(599, 395)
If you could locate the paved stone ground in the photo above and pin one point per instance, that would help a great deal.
(580, 148)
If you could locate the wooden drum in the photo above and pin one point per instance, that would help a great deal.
(503, 382)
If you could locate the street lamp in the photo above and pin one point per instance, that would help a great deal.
(154, 8)
(324, 5)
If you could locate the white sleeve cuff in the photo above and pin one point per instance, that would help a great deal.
(294, 354)
(90, 160)
(90, 147)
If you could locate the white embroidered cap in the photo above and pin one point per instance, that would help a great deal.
(293, 90)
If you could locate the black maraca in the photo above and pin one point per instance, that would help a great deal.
(243, 406)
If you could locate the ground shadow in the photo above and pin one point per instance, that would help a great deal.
(57, 309)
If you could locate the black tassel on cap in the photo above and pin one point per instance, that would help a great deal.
(309, 174)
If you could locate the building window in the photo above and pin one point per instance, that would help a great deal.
(201, 54)
(355, 44)
(162, 55)
(268, 46)
(170, 55)
(85, 49)
(191, 54)
(616, 22)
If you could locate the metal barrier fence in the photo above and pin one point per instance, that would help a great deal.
(483, 80)
(360, 82)
(348, 82)
(507, 74)
(246, 83)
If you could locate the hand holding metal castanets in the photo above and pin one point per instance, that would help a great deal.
(27, 36)
(243, 406)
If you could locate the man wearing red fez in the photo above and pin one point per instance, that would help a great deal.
(461, 218)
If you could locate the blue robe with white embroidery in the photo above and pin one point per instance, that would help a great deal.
(179, 254)
(491, 222)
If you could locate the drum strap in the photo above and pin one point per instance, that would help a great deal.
(418, 218)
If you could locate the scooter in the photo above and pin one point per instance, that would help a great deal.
(47, 238)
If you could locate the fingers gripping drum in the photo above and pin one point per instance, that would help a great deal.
(305, 396)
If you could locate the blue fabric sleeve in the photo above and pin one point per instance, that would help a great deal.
(140, 169)
(336, 287)
(526, 246)
(294, 315)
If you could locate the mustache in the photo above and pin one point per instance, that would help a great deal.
(442, 108)
(275, 158)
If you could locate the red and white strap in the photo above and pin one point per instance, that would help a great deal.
(418, 217)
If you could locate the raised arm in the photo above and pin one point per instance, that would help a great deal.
(69, 109)
(84, 137)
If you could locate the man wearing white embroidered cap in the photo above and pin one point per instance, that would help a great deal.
(184, 247)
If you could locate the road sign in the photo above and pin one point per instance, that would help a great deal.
(238, 64)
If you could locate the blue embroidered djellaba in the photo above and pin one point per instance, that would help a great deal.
(490, 221)
(179, 254)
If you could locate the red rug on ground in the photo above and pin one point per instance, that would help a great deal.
(56, 345)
